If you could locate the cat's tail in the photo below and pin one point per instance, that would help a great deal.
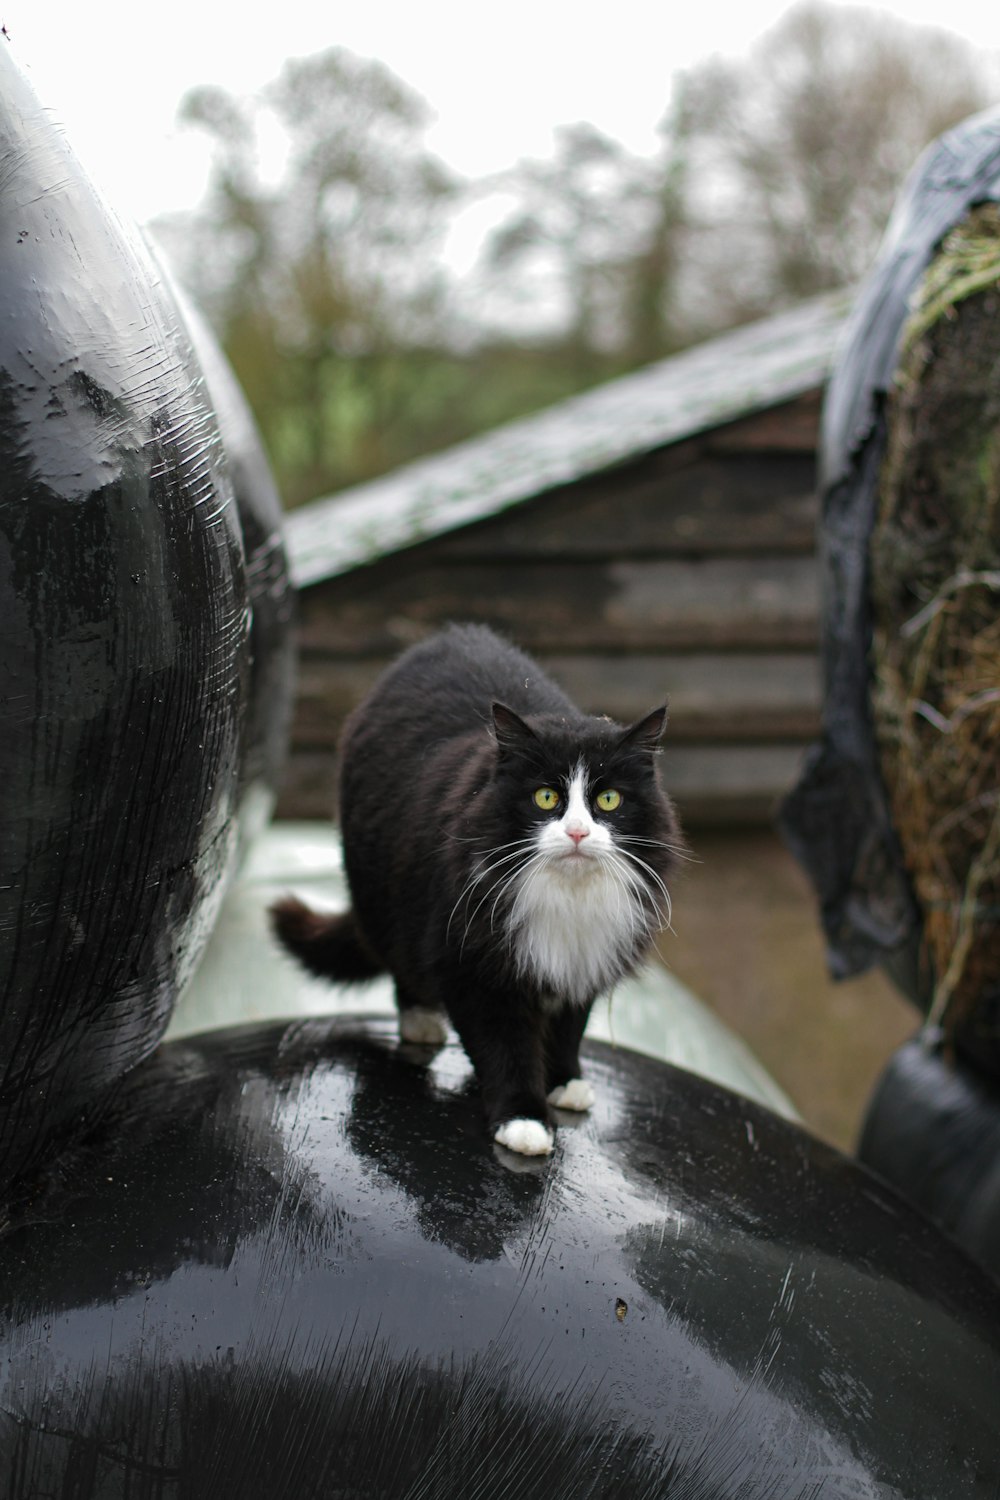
(326, 943)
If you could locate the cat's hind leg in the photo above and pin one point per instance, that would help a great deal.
(565, 1087)
(419, 1023)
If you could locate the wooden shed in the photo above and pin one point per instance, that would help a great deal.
(652, 537)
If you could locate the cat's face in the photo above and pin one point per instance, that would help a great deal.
(575, 821)
(584, 840)
(577, 794)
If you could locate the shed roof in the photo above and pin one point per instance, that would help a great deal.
(721, 380)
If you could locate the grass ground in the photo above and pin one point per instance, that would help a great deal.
(747, 941)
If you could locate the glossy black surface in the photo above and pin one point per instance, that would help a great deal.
(124, 648)
(836, 820)
(271, 693)
(293, 1265)
(933, 1129)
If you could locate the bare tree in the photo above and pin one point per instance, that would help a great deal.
(595, 232)
(322, 274)
(796, 154)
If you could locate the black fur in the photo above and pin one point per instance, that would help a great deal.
(328, 945)
(438, 769)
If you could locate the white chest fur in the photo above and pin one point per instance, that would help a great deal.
(574, 938)
(578, 916)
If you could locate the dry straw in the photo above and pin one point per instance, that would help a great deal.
(935, 588)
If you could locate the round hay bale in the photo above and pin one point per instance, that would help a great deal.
(896, 815)
(935, 576)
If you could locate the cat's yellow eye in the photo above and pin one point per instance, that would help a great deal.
(546, 798)
(609, 800)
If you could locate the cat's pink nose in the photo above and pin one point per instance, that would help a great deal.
(576, 834)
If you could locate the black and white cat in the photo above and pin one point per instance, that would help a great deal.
(507, 857)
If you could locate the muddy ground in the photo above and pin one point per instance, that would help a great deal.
(746, 939)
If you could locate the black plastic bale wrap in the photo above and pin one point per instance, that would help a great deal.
(897, 814)
(271, 695)
(293, 1266)
(127, 742)
(838, 820)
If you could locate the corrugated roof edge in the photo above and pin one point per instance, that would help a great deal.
(721, 380)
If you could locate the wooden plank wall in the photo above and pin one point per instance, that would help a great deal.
(690, 573)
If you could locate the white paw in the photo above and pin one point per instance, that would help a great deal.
(577, 1094)
(530, 1137)
(423, 1026)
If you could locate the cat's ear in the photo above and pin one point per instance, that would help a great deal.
(646, 733)
(512, 733)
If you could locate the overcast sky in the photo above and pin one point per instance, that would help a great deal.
(498, 79)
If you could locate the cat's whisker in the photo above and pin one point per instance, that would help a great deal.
(644, 896)
(521, 843)
(677, 850)
(521, 907)
(508, 874)
(654, 877)
(530, 871)
(504, 881)
(627, 912)
(623, 891)
(645, 912)
(472, 915)
(517, 845)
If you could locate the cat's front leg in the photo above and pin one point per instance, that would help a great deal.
(564, 1085)
(506, 1050)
